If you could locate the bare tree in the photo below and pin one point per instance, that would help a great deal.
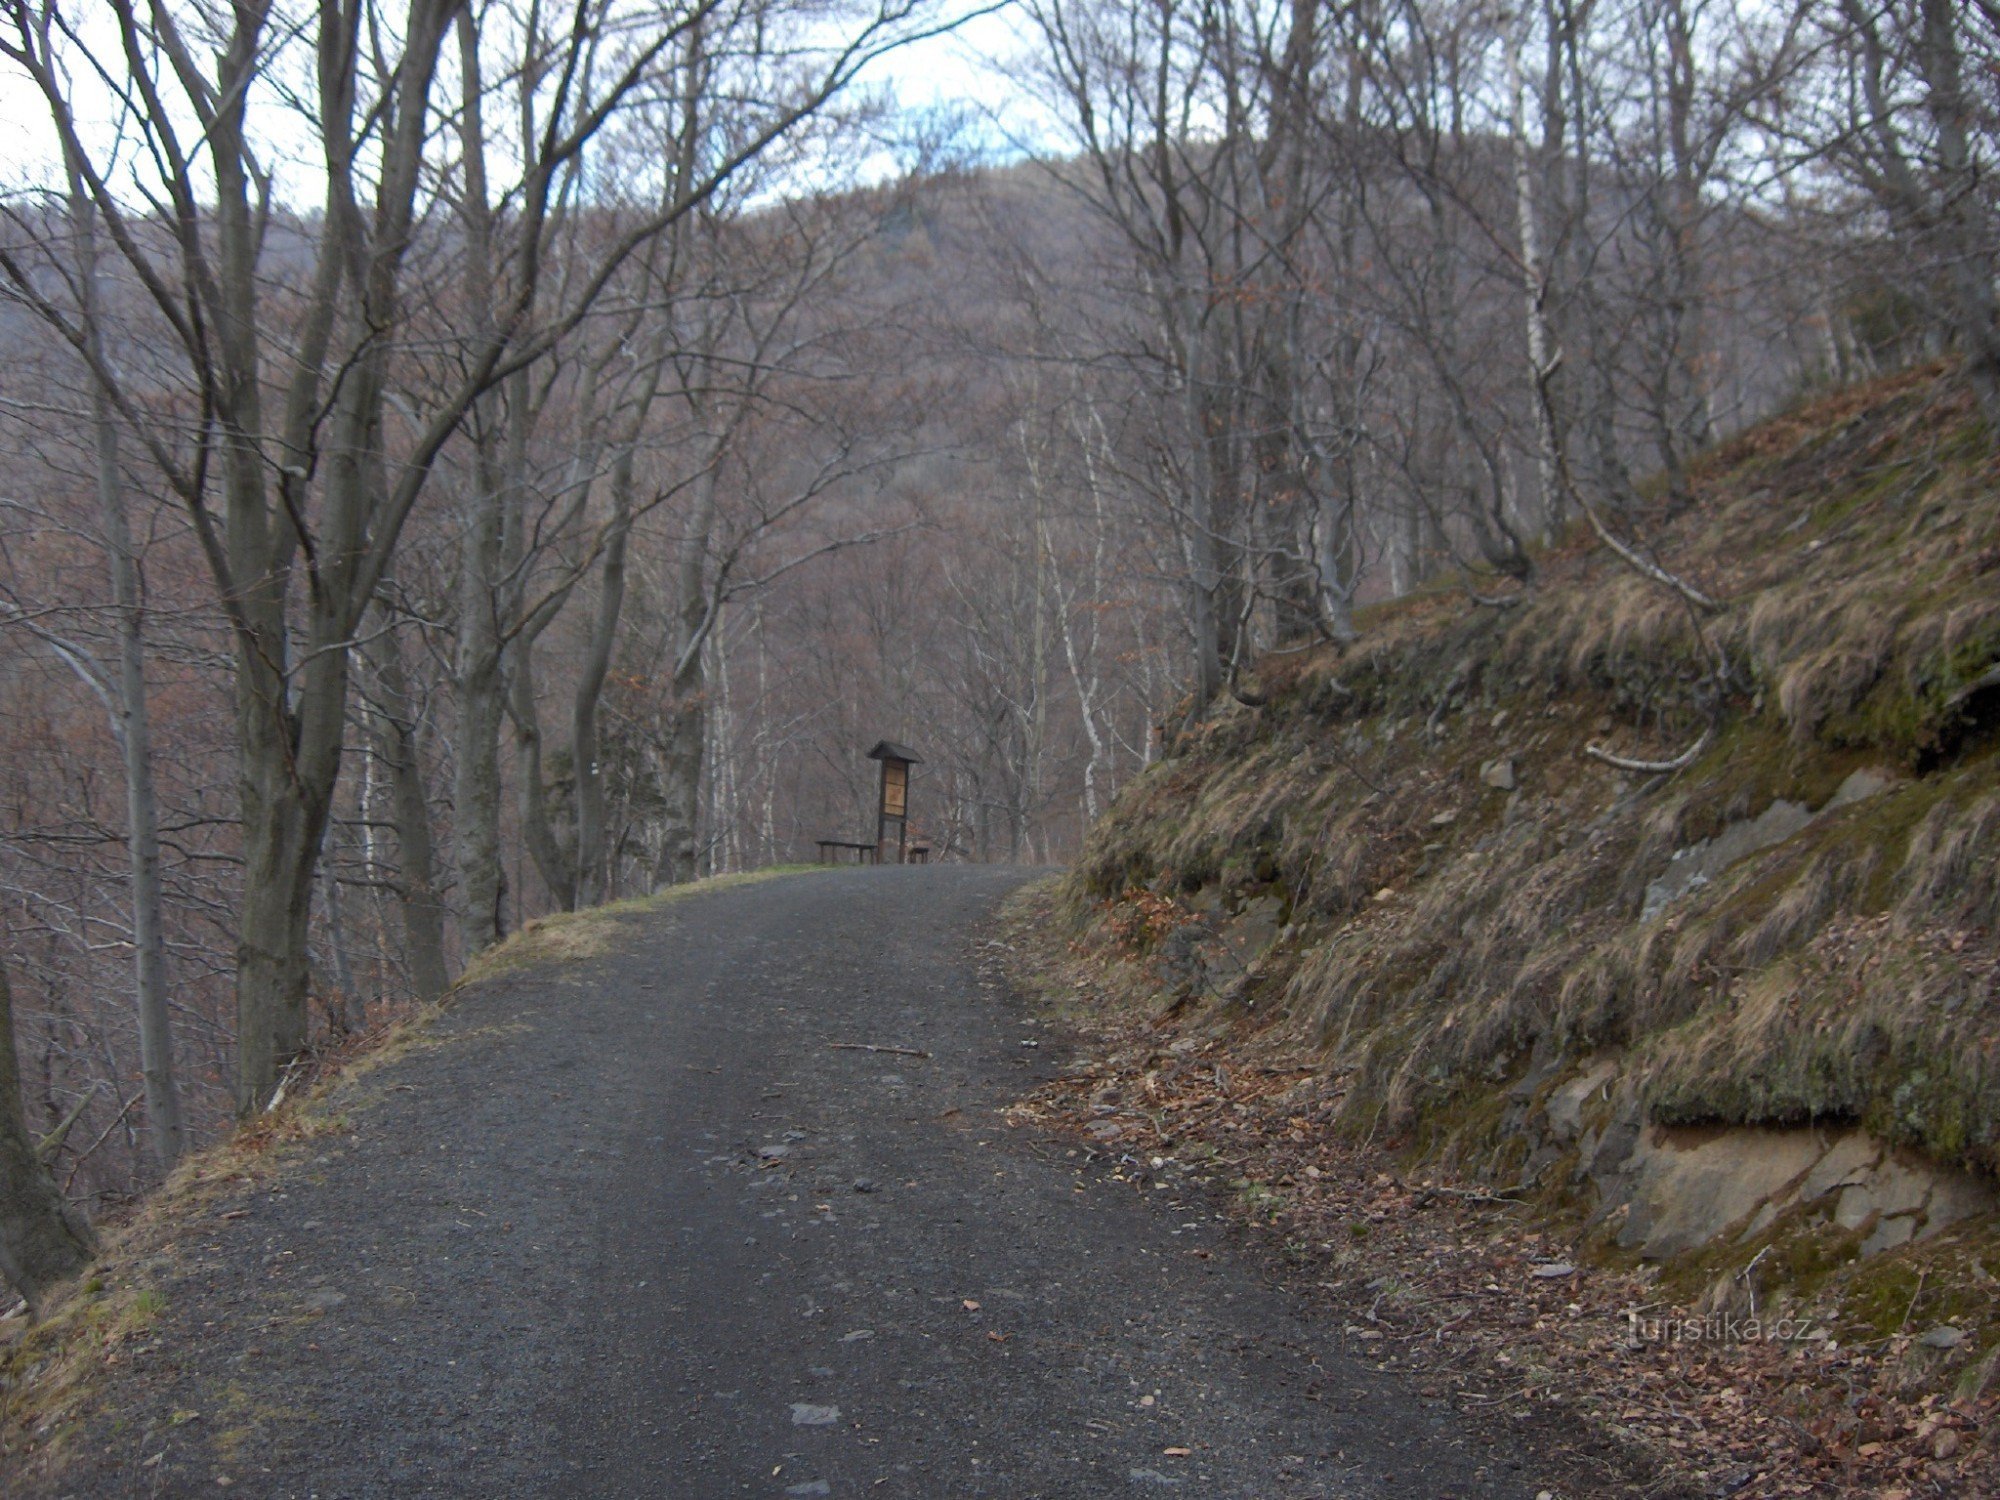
(292, 383)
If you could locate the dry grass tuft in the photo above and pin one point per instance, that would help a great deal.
(573, 936)
(1829, 882)
(1952, 870)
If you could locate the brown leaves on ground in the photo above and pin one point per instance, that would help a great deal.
(1455, 1289)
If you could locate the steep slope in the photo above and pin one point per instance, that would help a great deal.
(1519, 959)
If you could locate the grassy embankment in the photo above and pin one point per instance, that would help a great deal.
(1443, 939)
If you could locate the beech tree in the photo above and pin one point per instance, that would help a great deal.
(290, 395)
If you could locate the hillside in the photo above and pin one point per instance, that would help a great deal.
(1732, 1028)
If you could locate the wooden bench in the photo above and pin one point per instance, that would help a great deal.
(833, 852)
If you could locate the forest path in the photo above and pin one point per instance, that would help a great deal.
(635, 1227)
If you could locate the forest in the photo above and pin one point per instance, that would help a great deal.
(472, 459)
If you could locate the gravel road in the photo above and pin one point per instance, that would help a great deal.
(637, 1228)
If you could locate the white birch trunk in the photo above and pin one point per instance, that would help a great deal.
(1534, 268)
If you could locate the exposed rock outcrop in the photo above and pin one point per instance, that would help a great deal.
(1698, 864)
(1673, 1189)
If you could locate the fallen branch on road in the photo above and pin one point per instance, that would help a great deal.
(871, 1047)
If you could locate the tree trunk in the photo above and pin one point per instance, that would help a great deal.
(1587, 347)
(41, 1241)
(553, 861)
(720, 771)
(480, 690)
(591, 874)
(1534, 272)
(1335, 562)
(687, 721)
(477, 669)
(339, 997)
(1204, 565)
(270, 953)
(166, 1131)
(422, 906)
(680, 779)
(271, 970)
(1694, 418)
(166, 1134)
